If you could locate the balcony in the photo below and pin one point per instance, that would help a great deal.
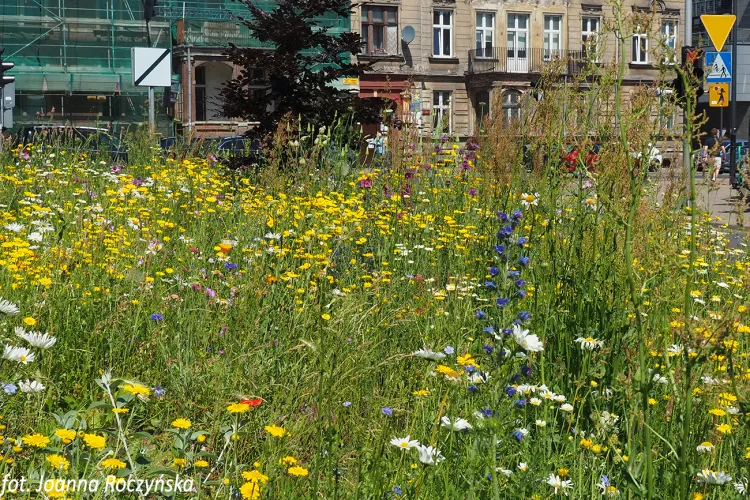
(504, 60)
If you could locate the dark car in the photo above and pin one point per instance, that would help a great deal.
(92, 140)
(741, 152)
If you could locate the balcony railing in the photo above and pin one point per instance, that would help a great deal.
(505, 60)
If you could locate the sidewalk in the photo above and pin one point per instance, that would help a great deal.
(718, 199)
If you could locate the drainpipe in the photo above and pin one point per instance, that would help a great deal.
(190, 91)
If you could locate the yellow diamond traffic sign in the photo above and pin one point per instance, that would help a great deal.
(718, 28)
(718, 95)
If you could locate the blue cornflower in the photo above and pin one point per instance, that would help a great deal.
(507, 331)
(514, 274)
(520, 403)
(449, 350)
(469, 369)
(510, 391)
(518, 435)
(473, 388)
(502, 216)
(604, 481)
(489, 330)
(499, 249)
(502, 302)
(517, 214)
(489, 477)
(516, 378)
(524, 316)
(521, 293)
(490, 284)
(157, 317)
(10, 388)
(488, 349)
(494, 271)
(524, 260)
(520, 283)
(505, 232)
(523, 240)
(230, 266)
(386, 410)
(158, 391)
(526, 370)
(487, 412)
(480, 314)
(397, 490)
(503, 352)
(346, 404)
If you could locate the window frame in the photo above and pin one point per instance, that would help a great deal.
(481, 113)
(669, 34)
(512, 53)
(639, 46)
(201, 105)
(368, 26)
(439, 108)
(511, 110)
(483, 29)
(547, 51)
(587, 33)
(440, 29)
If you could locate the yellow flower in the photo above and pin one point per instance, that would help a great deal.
(651, 401)
(288, 460)
(596, 448)
(58, 462)
(563, 472)
(120, 410)
(717, 411)
(326, 317)
(275, 431)
(447, 371)
(697, 496)
(66, 435)
(237, 408)
(94, 441)
(113, 463)
(29, 321)
(421, 392)
(297, 471)
(137, 389)
(586, 443)
(179, 462)
(35, 440)
(724, 428)
(182, 423)
(201, 438)
(255, 476)
(200, 464)
(250, 490)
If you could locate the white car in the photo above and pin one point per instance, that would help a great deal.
(654, 156)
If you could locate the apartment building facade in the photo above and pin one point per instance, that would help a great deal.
(448, 63)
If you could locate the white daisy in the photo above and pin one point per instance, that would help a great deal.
(529, 199)
(589, 343)
(710, 477)
(405, 443)
(14, 227)
(36, 237)
(36, 339)
(30, 386)
(18, 354)
(8, 308)
(705, 447)
(527, 342)
(741, 486)
(458, 424)
(559, 485)
(429, 455)
(428, 353)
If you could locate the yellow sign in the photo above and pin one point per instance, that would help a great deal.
(351, 81)
(718, 28)
(718, 95)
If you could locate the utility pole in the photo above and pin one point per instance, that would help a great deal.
(733, 107)
(687, 158)
(151, 109)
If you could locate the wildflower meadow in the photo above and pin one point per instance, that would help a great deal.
(456, 320)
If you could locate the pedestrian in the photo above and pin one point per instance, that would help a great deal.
(715, 150)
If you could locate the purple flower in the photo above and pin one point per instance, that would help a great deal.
(489, 330)
(524, 316)
(520, 283)
(502, 302)
(517, 214)
(488, 349)
(521, 293)
(510, 391)
(480, 314)
(397, 490)
(507, 331)
(211, 293)
(523, 240)
(500, 249)
(346, 404)
(386, 410)
(487, 412)
(158, 391)
(518, 435)
(502, 216)
(157, 317)
(526, 370)
(472, 388)
(520, 403)
(514, 274)
(472, 192)
(524, 261)
(230, 266)
(448, 350)
(494, 271)
(490, 284)
(10, 388)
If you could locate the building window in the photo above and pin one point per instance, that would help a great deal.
(640, 48)
(669, 32)
(590, 37)
(442, 28)
(200, 94)
(511, 105)
(441, 112)
(380, 30)
(481, 108)
(552, 37)
(517, 41)
(485, 34)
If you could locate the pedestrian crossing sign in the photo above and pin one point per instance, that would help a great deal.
(718, 95)
(719, 67)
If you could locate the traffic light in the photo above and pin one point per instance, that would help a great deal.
(692, 65)
(5, 66)
(148, 9)
(169, 98)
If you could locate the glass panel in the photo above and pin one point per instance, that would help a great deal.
(365, 34)
(436, 41)
(522, 21)
(447, 17)
(479, 43)
(392, 15)
(436, 17)
(377, 37)
(377, 14)
(511, 43)
(446, 42)
(392, 44)
(522, 44)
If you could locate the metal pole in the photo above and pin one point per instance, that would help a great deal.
(686, 156)
(2, 110)
(151, 109)
(733, 107)
(190, 90)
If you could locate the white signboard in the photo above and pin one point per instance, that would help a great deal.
(151, 67)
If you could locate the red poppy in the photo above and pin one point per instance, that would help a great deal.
(251, 402)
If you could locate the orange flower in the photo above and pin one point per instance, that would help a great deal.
(252, 402)
(225, 247)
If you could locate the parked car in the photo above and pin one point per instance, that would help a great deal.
(92, 140)
(741, 152)
(654, 157)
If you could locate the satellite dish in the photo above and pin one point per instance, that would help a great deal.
(408, 34)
